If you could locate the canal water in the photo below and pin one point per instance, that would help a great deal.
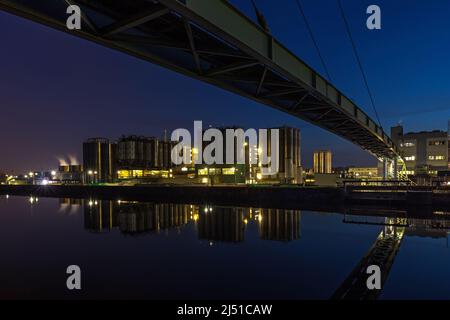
(173, 251)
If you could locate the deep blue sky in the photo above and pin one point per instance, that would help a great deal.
(57, 90)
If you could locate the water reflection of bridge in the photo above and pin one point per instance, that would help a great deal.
(385, 248)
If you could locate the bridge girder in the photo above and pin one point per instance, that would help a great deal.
(213, 42)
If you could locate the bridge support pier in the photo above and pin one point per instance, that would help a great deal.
(389, 168)
(395, 168)
(385, 169)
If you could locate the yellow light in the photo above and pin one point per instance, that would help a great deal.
(30, 173)
(245, 221)
(91, 203)
(196, 217)
(259, 176)
(90, 172)
(53, 173)
(184, 169)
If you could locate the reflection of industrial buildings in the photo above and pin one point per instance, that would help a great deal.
(147, 217)
(221, 224)
(279, 225)
(214, 224)
(99, 160)
(134, 217)
(100, 216)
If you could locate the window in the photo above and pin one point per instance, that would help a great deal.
(436, 157)
(436, 143)
(410, 158)
(407, 144)
(228, 171)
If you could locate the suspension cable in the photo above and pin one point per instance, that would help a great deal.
(311, 34)
(355, 51)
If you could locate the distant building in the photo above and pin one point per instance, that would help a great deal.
(69, 174)
(226, 173)
(322, 162)
(136, 152)
(289, 159)
(362, 172)
(99, 160)
(164, 154)
(425, 152)
(143, 157)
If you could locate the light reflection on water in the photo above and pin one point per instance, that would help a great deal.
(161, 251)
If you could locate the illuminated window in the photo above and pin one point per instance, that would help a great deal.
(407, 144)
(124, 174)
(436, 143)
(138, 173)
(214, 171)
(436, 157)
(203, 172)
(228, 171)
(410, 158)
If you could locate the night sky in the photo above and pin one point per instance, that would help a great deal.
(56, 90)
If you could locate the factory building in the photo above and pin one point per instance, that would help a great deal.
(143, 158)
(322, 162)
(99, 160)
(289, 161)
(425, 152)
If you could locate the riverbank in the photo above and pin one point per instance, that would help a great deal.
(283, 197)
(269, 197)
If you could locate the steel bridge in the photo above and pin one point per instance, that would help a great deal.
(214, 42)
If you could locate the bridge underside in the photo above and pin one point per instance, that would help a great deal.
(172, 34)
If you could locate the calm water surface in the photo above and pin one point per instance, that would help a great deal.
(171, 251)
